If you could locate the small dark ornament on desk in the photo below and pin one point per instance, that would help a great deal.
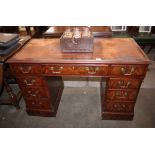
(77, 40)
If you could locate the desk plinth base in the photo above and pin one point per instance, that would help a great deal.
(48, 112)
(42, 113)
(117, 116)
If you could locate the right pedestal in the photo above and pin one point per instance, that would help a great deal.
(119, 97)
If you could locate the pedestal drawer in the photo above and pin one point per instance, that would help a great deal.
(128, 70)
(36, 93)
(38, 104)
(31, 81)
(124, 83)
(124, 95)
(119, 107)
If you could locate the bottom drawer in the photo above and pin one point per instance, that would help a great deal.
(118, 106)
(38, 104)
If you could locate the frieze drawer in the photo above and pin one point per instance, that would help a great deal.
(124, 83)
(75, 69)
(38, 104)
(119, 107)
(30, 81)
(25, 68)
(122, 95)
(128, 70)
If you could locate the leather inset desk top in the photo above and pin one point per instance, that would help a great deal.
(106, 50)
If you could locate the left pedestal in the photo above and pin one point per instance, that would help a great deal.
(41, 94)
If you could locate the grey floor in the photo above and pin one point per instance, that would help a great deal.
(80, 107)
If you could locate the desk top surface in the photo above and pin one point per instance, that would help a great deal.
(106, 50)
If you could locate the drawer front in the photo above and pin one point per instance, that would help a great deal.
(119, 107)
(75, 70)
(128, 70)
(30, 81)
(38, 104)
(125, 95)
(25, 68)
(123, 83)
(35, 93)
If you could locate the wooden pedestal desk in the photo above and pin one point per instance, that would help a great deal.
(40, 65)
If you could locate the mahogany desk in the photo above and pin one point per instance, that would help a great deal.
(40, 65)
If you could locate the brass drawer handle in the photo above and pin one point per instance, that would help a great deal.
(25, 69)
(29, 83)
(92, 70)
(33, 94)
(128, 84)
(122, 84)
(118, 94)
(56, 72)
(33, 103)
(126, 94)
(119, 107)
(124, 71)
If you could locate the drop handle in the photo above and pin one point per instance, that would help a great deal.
(126, 94)
(119, 107)
(128, 84)
(33, 103)
(92, 70)
(123, 85)
(29, 83)
(25, 69)
(33, 94)
(56, 72)
(120, 95)
(125, 71)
